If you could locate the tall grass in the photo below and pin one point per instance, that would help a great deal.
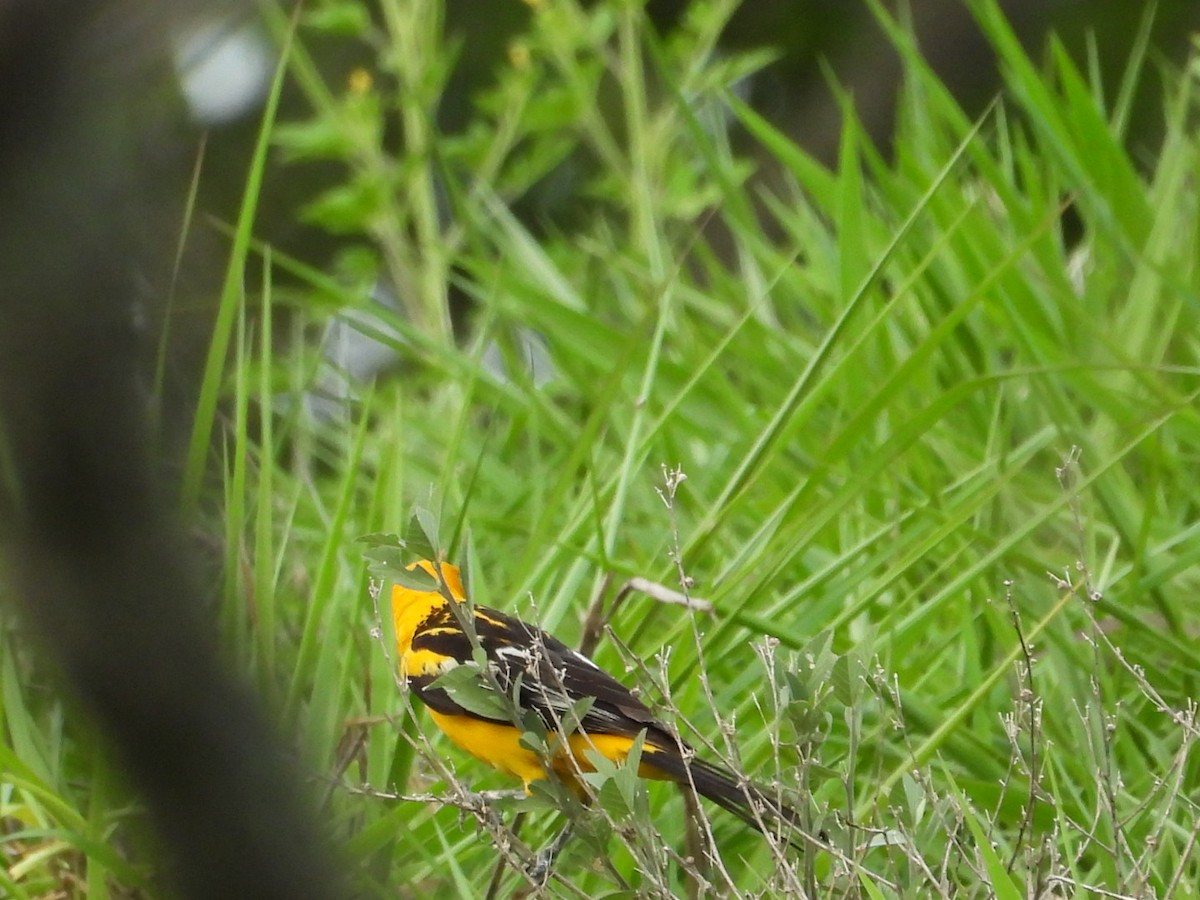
(937, 417)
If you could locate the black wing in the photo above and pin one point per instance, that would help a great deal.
(552, 677)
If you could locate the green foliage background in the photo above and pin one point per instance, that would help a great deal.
(937, 416)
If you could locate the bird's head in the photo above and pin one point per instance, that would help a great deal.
(412, 605)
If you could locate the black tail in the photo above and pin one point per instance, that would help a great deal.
(749, 802)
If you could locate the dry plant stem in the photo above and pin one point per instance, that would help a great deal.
(853, 740)
(540, 870)
(913, 855)
(460, 796)
(672, 479)
(353, 741)
(595, 618)
(1090, 888)
(661, 680)
(1177, 875)
(537, 870)
(1088, 831)
(699, 826)
(595, 625)
(1170, 794)
(1048, 858)
(468, 802)
(947, 858)
(1176, 791)
(766, 651)
(1032, 704)
(1067, 477)
(648, 869)
(888, 687)
(499, 866)
(697, 844)
(1185, 720)
(664, 594)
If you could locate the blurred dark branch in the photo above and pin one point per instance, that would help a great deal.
(97, 556)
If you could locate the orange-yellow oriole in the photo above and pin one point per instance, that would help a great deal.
(546, 676)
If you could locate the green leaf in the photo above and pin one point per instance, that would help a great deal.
(572, 717)
(627, 776)
(346, 18)
(381, 538)
(349, 207)
(416, 579)
(1003, 886)
(421, 536)
(321, 137)
(872, 889)
(468, 688)
(389, 564)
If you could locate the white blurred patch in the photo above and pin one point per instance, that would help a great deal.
(532, 354)
(224, 70)
(361, 343)
(1079, 266)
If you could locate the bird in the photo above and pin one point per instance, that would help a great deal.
(544, 676)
